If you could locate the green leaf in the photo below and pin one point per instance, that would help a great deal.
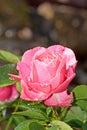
(25, 105)
(80, 92)
(36, 126)
(29, 125)
(49, 110)
(75, 123)
(23, 125)
(18, 119)
(18, 86)
(5, 80)
(33, 113)
(82, 104)
(61, 125)
(52, 128)
(75, 112)
(84, 127)
(8, 57)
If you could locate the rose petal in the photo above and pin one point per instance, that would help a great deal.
(59, 100)
(56, 49)
(64, 85)
(45, 88)
(24, 70)
(30, 55)
(15, 77)
(30, 95)
(71, 59)
(40, 72)
(53, 66)
(64, 51)
(8, 94)
(60, 76)
(5, 93)
(14, 93)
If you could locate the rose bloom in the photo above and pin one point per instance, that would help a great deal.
(45, 71)
(8, 94)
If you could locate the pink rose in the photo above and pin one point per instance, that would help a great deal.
(61, 99)
(45, 71)
(8, 94)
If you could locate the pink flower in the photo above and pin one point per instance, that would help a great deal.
(8, 94)
(45, 71)
(61, 99)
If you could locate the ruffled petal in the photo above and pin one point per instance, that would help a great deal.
(59, 100)
(70, 58)
(45, 88)
(24, 70)
(40, 73)
(63, 86)
(28, 94)
(29, 55)
(56, 49)
(60, 76)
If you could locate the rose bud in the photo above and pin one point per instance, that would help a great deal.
(8, 94)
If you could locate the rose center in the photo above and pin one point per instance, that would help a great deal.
(51, 60)
(48, 58)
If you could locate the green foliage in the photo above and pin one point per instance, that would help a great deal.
(18, 119)
(18, 86)
(52, 128)
(75, 123)
(29, 125)
(80, 92)
(84, 127)
(75, 112)
(59, 125)
(23, 126)
(76, 117)
(33, 113)
(82, 104)
(36, 126)
(5, 80)
(8, 57)
(49, 111)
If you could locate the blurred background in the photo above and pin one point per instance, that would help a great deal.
(25, 24)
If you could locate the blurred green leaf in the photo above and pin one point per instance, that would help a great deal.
(82, 104)
(33, 113)
(8, 57)
(49, 110)
(29, 125)
(25, 105)
(5, 80)
(18, 86)
(18, 119)
(80, 92)
(75, 112)
(84, 127)
(60, 125)
(23, 125)
(52, 128)
(75, 123)
(36, 126)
